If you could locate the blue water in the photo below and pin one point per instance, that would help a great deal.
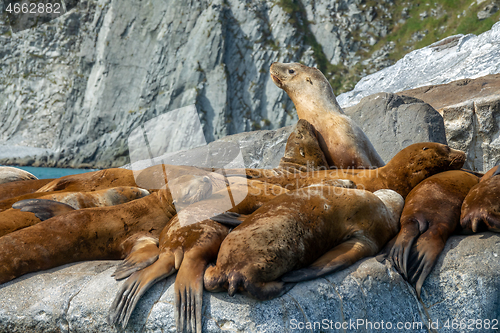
(47, 173)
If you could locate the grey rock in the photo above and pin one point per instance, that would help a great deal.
(394, 122)
(463, 286)
(453, 58)
(256, 149)
(473, 126)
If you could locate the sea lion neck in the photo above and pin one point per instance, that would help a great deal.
(307, 102)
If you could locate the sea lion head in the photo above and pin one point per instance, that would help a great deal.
(306, 86)
(188, 189)
(421, 160)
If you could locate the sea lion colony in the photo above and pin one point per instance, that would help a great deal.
(330, 218)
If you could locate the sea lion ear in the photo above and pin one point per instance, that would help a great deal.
(308, 79)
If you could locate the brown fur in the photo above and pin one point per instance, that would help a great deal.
(328, 227)
(431, 214)
(188, 249)
(21, 187)
(14, 219)
(87, 234)
(403, 172)
(481, 207)
(342, 141)
(302, 152)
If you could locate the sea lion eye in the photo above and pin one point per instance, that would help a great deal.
(291, 71)
(425, 148)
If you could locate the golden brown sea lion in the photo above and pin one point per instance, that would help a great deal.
(431, 214)
(322, 226)
(91, 181)
(403, 172)
(302, 151)
(11, 174)
(188, 248)
(21, 187)
(87, 234)
(28, 212)
(343, 142)
(481, 207)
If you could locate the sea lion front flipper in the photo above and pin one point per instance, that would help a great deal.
(135, 286)
(44, 209)
(338, 258)
(229, 219)
(423, 257)
(189, 295)
(144, 253)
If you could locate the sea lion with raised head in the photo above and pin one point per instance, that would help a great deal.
(430, 215)
(481, 207)
(343, 142)
(302, 151)
(301, 235)
(11, 174)
(28, 212)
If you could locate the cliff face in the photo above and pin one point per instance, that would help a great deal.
(74, 88)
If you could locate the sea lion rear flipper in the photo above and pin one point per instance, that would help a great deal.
(229, 219)
(338, 258)
(144, 252)
(423, 256)
(44, 209)
(135, 286)
(410, 231)
(189, 295)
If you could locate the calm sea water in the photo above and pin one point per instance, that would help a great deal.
(45, 173)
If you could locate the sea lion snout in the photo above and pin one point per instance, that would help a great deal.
(457, 158)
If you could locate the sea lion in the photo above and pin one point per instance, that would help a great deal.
(302, 151)
(301, 235)
(481, 208)
(187, 248)
(151, 178)
(430, 215)
(490, 173)
(342, 141)
(28, 212)
(21, 187)
(87, 234)
(10, 174)
(403, 172)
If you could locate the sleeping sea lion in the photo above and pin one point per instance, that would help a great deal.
(344, 143)
(188, 249)
(431, 214)
(301, 235)
(11, 174)
(28, 212)
(87, 234)
(481, 207)
(403, 172)
(21, 187)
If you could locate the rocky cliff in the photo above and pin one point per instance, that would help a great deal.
(74, 88)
